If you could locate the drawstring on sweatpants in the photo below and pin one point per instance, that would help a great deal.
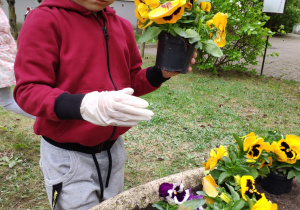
(99, 172)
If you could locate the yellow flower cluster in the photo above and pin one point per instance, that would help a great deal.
(248, 188)
(169, 12)
(287, 150)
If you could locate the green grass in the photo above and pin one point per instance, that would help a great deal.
(193, 113)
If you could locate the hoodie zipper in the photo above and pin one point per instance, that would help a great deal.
(106, 36)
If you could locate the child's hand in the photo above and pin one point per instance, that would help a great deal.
(114, 108)
(168, 74)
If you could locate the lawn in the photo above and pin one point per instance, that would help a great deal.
(193, 113)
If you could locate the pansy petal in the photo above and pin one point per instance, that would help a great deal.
(209, 186)
(205, 6)
(163, 189)
(152, 3)
(143, 10)
(166, 9)
(173, 18)
(220, 18)
(182, 197)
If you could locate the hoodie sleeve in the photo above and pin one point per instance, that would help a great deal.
(36, 61)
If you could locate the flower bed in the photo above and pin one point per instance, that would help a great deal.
(230, 179)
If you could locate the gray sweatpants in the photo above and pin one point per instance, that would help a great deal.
(7, 102)
(76, 174)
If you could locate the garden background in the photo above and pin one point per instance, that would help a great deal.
(193, 114)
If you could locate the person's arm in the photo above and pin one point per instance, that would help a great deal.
(36, 61)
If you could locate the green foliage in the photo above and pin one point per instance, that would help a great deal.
(227, 199)
(233, 164)
(290, 17)
(245, 40)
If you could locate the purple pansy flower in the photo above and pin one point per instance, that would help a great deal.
(174, 193)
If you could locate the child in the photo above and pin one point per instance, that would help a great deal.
(7, 59)
(77, 68)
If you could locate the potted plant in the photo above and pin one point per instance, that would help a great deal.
(274, 158)
(181, 26)
(284, 163)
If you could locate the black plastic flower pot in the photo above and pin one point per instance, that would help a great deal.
(276, 184)
(174, 53)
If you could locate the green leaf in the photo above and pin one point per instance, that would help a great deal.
(192, 204)
(223, 176)
(235, 195)
(297, 175)
(226, 159)
(161, 205)
(212, 48)
(291, 174)
(215, 173)
(265, 170)
(199, 45)
(253, 172)
(239, 141)
(239, 204)
(198, 1)
(150, 34)
(189, 33)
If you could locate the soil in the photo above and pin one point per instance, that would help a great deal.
(286, 66)
(287, 201)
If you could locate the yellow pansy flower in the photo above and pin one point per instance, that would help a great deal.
(248, 188)
(189, 5)
(215, 155)
(255, 145)
(168, 12)
(220, 22)
(210, 188)
(205, 6)
(288, 149)
(264, 204)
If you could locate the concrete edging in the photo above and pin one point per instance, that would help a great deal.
(146, 194)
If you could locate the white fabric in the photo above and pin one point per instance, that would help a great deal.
(7, 53)
(114, 108)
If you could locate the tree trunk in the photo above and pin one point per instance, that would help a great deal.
(12, 18)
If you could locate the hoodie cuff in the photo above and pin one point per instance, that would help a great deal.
(67, 106)
(155, 77)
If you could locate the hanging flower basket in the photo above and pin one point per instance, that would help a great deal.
(174, 53)
(276, 184)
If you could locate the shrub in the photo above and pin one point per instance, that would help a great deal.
(246, 33)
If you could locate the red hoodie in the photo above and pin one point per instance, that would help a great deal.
(62, 55)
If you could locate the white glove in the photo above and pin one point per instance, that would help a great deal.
(114, 108)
